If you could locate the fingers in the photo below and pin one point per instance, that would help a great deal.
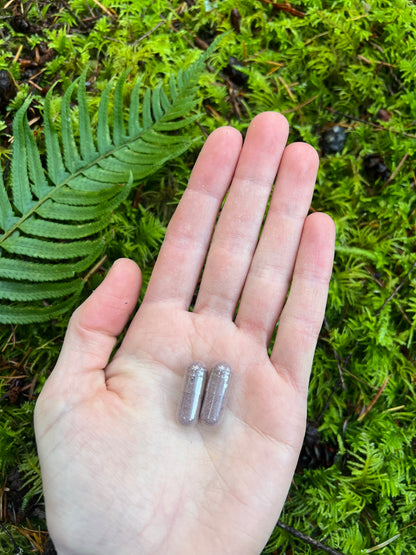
(184, 249)
(302, 316)
(271, 270)
(238, 228)
(95, 325)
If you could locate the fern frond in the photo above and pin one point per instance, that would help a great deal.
(71, 154)
(38, 291)
(53, 221)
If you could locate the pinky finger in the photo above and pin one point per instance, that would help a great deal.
(303, 314)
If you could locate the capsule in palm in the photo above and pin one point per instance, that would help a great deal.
(216, 393)
(193, 391)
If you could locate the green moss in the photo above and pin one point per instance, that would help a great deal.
(340, 64)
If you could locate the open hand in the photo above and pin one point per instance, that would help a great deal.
(120, 475)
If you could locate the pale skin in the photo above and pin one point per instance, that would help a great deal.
(120, 474)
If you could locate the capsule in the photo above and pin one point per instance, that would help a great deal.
(216, 393)
(193, 392)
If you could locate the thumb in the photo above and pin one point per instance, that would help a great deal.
(95, 325)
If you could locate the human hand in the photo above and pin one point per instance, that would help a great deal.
(120, 474)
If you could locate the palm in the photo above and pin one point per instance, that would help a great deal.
(260, 397)
(159, 486)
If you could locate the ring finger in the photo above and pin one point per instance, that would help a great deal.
(273, 262)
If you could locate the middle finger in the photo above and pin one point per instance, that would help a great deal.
(238, 227)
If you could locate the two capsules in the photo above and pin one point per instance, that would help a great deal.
(204, 397)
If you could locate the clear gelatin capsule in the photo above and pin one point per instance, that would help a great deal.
(216, 393)
(193, 392)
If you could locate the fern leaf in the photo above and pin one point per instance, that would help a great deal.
(55, 164)
(85, 133)
(38, 291)
(179, 79)
(21, 314)
(51, 250)
(157, 109)
(118, 123)
(164, 100)
(38, 180)
(134, 125)
(172, 88)
(67, 195)
(22, 195)
(82, 183)
(6, 210)
(71, 155)
(103, 130)
(52, 224)
(37, 271)
(56, 211)
(55, 230)
(146, 110)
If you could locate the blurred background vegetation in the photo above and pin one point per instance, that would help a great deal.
(344, 74)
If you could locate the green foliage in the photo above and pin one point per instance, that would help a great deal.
(59, 214)
(340, 64)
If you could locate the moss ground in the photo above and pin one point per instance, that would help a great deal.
(344, 74)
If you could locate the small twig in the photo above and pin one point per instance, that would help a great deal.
(384, 544)
(370, 62)
(308, 539)
(94, 268)
(359, 379)
(299, 106)
(149, 32)
(17, 56)
(353, 118)
(393, 175)
(375, 125)
(287, 87)
(17, 549)
(214, 112)
(202, 128)
(374, 401)
(393, 409)
(38, 73)
(110, 12)
(201, 43)
(11, 338)
(285, 7)
(276, 66)
(407, 526)
(315, 37)
(33, 121)
(35, 85)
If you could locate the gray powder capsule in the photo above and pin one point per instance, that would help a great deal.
(216, 393)
(193, 392)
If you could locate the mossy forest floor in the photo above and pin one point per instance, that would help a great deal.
(344, 74)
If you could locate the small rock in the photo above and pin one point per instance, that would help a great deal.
(7, 89)
(235, 18)
(237, 76)
(376, 168)
(315, 453)
(20, 24)
(333, 140)
(383, 115)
